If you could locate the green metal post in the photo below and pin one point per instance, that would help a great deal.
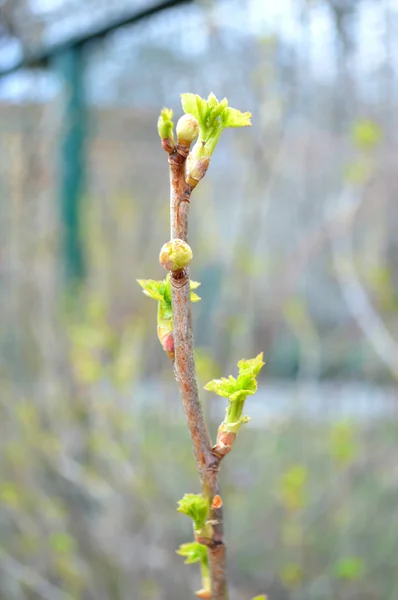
(69, 66)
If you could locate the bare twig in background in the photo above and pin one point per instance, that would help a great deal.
(41, 586)
(357, 300)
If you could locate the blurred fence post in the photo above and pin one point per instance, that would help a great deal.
(68, 65)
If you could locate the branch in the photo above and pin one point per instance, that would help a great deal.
(203, 121)
(185, 373)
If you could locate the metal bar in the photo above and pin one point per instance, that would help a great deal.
(42, 57)
(69, 65)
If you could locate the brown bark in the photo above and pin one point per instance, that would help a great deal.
(185, 373)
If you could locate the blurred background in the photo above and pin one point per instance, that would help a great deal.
(294, 238)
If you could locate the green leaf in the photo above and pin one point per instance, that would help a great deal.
(246, 381)
(212, 116)
(194, 552)
(231, 117)
(165, 124)
(222, 387)
(215, 108)
(212, 101)
(254, 365)
(167, 290)
(240, 395)
(195, 506)
(237, 390)
(244, 385)
(193, 286)
(153, 289)
(193, 104)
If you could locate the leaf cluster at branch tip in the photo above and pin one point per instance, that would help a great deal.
(213, 116)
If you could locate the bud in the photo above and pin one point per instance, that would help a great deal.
(175, 255)
(167, 342)
(196, 169)
(187, 130)
(225, 440)
(217, 502)
(166, 336)
(165, 129)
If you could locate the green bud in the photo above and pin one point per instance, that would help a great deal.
(187, 130)
(165, 129)
(175, 255)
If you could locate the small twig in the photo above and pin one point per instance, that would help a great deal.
(185, 373)
(357, 300)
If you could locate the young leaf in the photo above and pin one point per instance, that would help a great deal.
(165, 124)
(222, 387)
(153, 289)
(194, 552)
(253, 365)
(193, 286)
(195, 506)
(213, 116)
(231, 117)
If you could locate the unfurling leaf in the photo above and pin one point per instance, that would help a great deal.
(231, 117)
(213, 116)
(253, 365)
(194, 552)
(153, 289)
(245, 385)
(161, 291)
(195, 506)
(165, 124)
(236, 390)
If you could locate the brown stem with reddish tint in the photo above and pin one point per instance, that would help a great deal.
(185, 374)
